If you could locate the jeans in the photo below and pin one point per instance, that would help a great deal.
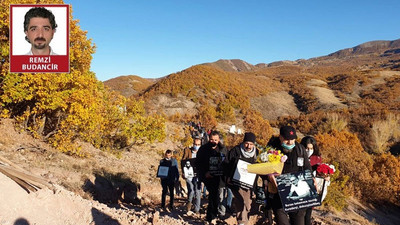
(221, 201)
(204, 191)
(225, 200)
(229, 197)
(194, 191)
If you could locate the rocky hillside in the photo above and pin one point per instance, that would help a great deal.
(372, 47)
(129, 85)
(339, 80)
(232, 65)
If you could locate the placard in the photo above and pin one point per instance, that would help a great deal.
(241, 177)
(297, 191)
(39, 44)
(215, 166)
(189, 168)
(162, 171)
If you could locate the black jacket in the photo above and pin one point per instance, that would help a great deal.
(203, 159)
(291, 165)
(233, 157)
(173, 172)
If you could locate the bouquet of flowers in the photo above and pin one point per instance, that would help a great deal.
(325, 170)
(269, 161)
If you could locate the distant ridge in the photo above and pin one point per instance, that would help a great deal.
(372, 47)
(367, 56)
(232, 65)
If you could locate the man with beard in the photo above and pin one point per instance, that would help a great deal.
(39, 28)
(297, 161)
(209, 164)
(247, 152)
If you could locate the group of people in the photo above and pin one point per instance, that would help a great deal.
(213, 165)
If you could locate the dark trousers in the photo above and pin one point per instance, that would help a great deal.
(213, 198)
(283, 218)
(308, 216)
(167, 186)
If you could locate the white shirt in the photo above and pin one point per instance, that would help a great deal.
(51, 52)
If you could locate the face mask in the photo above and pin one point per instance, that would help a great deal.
(196, 147)
(213, 144)
(310, 152)
(288, 147)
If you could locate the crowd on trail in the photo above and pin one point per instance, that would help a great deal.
(209, 166)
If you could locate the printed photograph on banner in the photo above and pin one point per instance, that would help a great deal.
(242, 177)
(39, 38)
(189, 168)
(297, 191)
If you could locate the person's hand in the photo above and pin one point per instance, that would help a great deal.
(183, 176)
(271, 178)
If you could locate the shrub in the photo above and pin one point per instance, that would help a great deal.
(344, 149)
(383, 131)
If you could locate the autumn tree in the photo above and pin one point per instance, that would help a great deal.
(62, 108)
(344, 149)
(254, 122)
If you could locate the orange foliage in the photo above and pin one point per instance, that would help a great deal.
(385, 183)
(253, 122)
(374, 178)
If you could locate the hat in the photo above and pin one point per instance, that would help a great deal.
(248, 136)
(288, 133)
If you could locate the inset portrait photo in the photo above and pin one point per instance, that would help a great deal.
(39, 38)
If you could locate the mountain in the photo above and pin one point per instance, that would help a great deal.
(369, 55)
(129, 85)
(372, 47)
(232, 65)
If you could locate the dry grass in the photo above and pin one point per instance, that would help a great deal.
(384, 132)
(274, 105)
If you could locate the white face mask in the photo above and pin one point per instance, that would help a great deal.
(310, 152)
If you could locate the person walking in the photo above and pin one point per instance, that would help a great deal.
(297, 161)
(247, 152)
(168, 181)
(209, 164)
(189, 174)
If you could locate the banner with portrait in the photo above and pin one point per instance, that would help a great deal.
(189, 168)
(241, 177)
(215, 166)
(297, 191)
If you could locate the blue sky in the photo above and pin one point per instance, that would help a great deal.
(154, 38)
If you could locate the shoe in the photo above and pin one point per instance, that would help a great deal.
(189, 206)
(197, 214)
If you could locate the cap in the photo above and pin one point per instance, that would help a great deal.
(288, 133)
(249, 136)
